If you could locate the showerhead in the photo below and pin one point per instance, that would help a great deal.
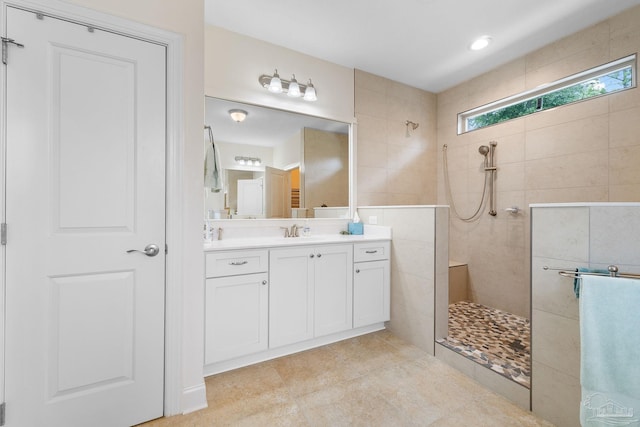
(483, 149)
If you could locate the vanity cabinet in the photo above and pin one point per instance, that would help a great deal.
(236, 304)
(311, 291)
(266, 302)
(371, 283)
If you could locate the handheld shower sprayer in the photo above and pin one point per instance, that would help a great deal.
(484, 150)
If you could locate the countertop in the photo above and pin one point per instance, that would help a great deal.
(270, 242)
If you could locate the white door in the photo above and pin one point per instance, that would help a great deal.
(85, 182)
(250, 197)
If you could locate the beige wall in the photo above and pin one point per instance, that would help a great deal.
(588, 151)
(391, 168)
(185, 18)
(234, 62)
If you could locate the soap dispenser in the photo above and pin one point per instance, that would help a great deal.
(306, 229)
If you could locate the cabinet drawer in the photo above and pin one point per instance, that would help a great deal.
(233, 263)
(373, 251)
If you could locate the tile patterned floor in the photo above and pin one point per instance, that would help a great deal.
(372, 380)
(496, 339)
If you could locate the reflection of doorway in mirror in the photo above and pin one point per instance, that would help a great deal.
(252, 192)
(295, 187)
(277, 193)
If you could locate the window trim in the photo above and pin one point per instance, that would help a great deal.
(547, 88)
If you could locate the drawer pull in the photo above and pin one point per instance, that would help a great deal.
(264, 282)
(371, 252)
(311, 256)
(358, 271)
(238, 262)
(319, 255)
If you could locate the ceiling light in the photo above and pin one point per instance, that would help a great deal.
(480, 43)
(238, 115)
(292, 88)
(275, 84)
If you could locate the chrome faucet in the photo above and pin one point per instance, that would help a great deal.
(293, 232)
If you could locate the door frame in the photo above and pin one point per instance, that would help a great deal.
(175, 135)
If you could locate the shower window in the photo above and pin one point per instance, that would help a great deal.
(609, 78)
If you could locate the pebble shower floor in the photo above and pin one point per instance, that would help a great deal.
(495, 339)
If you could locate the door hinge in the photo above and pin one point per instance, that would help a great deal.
(2, 408)
(5, 43)
(3, 236)
(166, 249)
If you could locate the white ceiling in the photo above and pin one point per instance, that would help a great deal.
(422, 43)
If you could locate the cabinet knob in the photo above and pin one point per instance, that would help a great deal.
(264, 282)
(311, 256)
(358, 271)
(319, 255)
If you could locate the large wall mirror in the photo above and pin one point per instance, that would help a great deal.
(273, 163)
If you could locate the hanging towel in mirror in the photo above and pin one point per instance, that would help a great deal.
(212, 170)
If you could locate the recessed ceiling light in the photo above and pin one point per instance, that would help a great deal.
(480, 43)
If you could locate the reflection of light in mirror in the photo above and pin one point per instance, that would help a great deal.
(248, 161)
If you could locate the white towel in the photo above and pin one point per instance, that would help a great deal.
(610, 348)
(212, 170)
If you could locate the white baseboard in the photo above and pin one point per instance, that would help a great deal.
(194, 398)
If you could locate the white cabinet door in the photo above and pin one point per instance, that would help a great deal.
(371, 289)
(236, 316)
(333, 289)
(290, 295)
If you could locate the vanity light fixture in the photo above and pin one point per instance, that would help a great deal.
(238, 115)
(480, 43)
(248, 161)
(291, 87)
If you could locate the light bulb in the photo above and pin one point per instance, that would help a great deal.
(310, 92)
(294, 88)
(275, 85)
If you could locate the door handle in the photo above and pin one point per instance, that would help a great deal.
(150, 250)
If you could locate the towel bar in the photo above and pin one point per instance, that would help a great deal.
(613, 272)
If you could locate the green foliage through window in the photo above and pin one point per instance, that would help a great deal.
(572, 89)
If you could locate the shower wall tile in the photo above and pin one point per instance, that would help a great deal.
(615, 235)
(555, 396)
(578, 136)
(577, 43)
(575, 170)
(556, 342)
(561, 233)
(553, 293)
(415, 269)
(568, 195)
(623, 165)
(391, 167)
(625, 127)
(624, 193)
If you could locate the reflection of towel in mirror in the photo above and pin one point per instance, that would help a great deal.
(212, 170)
